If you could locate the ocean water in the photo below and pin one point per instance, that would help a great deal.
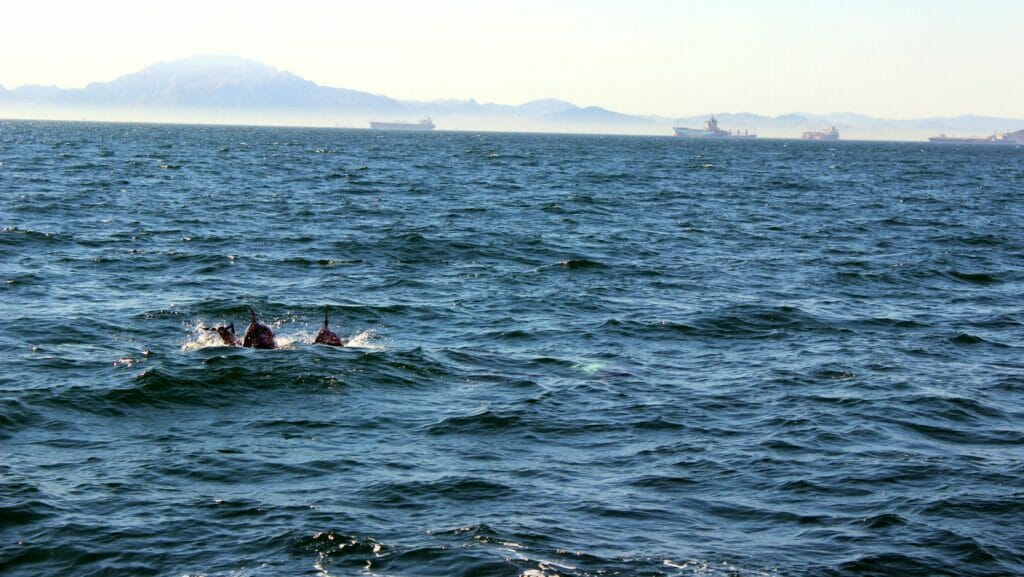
(569, 355)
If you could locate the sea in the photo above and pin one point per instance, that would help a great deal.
(567, 355)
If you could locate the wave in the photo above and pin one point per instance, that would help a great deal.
(969, 339)
(916, 276)
(332, 548)
(16, 237)
(529, 421)
(319, 262)
(733, 322)
(1009, 505)
(665, 482)
(482, 550)
(485, 421)
(791, 184)
(888, 564)
(981, 278)
(198, 376)
(456, 488)
(955, 433)
(16, 416)
(954, 408)
(581, 263)
(983, 239)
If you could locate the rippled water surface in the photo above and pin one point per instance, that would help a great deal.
(569, 355)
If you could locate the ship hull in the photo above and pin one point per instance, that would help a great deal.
(711, 131)
(830, 135)
(983, 141)
(400, 126)
(1010, 138)
(703, 134)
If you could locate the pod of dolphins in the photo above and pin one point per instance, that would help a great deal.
(259, 335)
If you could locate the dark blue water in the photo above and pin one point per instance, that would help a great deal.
(570, 355)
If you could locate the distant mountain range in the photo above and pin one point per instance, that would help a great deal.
(227, 89)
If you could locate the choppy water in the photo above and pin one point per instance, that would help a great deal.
(572, 355)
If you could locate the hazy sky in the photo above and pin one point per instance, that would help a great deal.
(899, 59)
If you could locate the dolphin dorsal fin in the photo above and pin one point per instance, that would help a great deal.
(325, 316)
(252, 313)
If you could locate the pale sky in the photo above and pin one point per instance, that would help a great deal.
(895, 59)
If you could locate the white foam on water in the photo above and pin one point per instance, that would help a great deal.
(590, 367)
(201, 339)
(365, 340)
(287, 341)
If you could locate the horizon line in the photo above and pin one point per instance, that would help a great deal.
(463, 131)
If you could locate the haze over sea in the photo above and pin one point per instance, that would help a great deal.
(571, 355)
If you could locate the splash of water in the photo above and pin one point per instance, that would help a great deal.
(199, 338)
(365, 340)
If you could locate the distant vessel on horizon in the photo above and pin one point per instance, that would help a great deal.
(830, 134)
(425, 124)
(997, 138)
(710, 130)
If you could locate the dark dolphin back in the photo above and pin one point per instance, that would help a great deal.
(258, 335)
(326, 336)
(227, 334)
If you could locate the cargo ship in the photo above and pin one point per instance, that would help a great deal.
(710, 130)
(997, 138)
(425, 124)
(830, 134)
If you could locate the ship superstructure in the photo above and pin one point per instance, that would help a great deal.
(830, 134)
(425, 124)
(997, 138)
(710, 130)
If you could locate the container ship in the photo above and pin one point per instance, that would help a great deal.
(710, 130)
(830, 134)
(997, 138)
(425, 124)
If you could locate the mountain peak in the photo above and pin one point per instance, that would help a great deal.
(547, 106)
(226, 82)
(225, 68)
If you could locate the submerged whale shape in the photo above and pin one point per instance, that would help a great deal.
(328, 337)
(258, 335)
(227, 334)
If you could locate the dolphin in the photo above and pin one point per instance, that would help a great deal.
(227, 334)
(258, 335)
(326, 336)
